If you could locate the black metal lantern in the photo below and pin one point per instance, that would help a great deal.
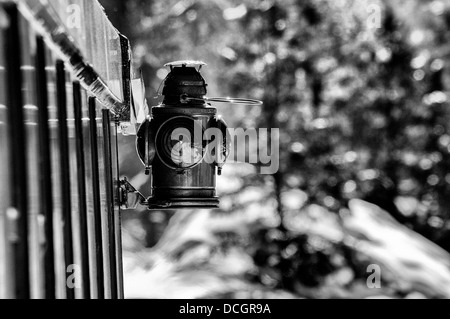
(173, 143)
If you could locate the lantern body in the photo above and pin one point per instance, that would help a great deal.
(173, 148)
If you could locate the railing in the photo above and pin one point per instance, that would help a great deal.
(66, 89)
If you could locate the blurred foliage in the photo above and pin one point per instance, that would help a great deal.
(362, 107)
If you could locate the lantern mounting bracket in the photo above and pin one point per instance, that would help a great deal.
(129, 197)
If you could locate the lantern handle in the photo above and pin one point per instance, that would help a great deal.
(186, 99)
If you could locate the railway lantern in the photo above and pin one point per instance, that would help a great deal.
(175, 144)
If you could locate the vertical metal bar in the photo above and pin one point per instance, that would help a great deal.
(97, 199)
(65, 169)
(101, 139)
(89, 196)
(55, 153)
(46, 169)
(19, 219)
(110, 201)
(78, 112)
(31, 120)
(119, 254)
(75, 278)
(5, 196)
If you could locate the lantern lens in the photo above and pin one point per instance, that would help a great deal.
(179, 143)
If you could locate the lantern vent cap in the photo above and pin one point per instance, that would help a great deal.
(186, 63)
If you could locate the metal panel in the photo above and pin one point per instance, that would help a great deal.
(70, 13)
(96, 40)
(85, 36)
(115, 62)
(94, 35)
